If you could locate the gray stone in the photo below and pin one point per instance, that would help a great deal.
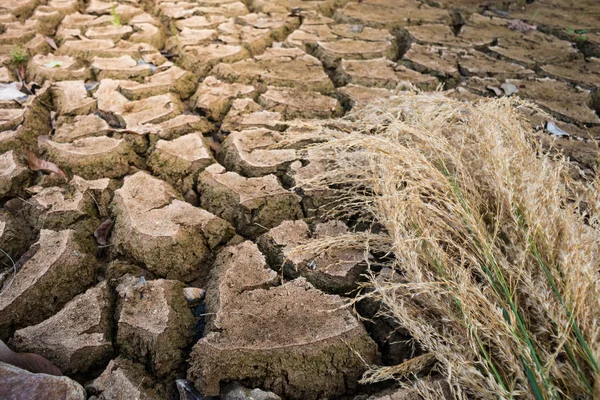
(236, 391)
(16, 383)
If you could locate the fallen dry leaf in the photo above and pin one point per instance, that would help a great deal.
(52, 43)
(103, 231)
(113, 120)
(37, 164)
(26, 256)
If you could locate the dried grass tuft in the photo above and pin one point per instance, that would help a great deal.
(495, 259)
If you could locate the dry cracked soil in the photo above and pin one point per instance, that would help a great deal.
(150, 204)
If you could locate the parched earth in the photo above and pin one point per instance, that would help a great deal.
(150, 203)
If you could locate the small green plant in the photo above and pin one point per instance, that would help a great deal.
(18, 55)
(534, 15)
(579, 32)
(175, 32)
(116, 21)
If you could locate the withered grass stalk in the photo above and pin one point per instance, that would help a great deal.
(495, 260)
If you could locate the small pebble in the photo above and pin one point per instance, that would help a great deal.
(193, 295)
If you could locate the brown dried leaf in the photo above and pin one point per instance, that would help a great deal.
(26, 256)
(37, 164)
(103, 231)
(113, 120)
(52, 43)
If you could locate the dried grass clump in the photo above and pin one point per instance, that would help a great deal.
(495, 259)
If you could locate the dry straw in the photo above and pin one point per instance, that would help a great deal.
(495, 258)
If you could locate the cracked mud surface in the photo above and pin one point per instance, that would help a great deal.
(168, 121)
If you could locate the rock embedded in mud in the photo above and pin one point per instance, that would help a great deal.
(60, 269)
(155, 324)
(252, 205)
(236, 391)
(172, 238)
(248, 153)
(16, 383)
(290, 339)
(75, 339)
(193, 295)
(124, 379)
(179, 161)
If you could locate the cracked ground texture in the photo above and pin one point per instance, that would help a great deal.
(146, 155)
